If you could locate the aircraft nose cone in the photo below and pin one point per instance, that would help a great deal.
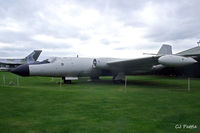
(22, 70)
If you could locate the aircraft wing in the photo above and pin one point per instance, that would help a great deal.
(190, 52)
(140, 65)
(8, 62)
(143, 65)
(134, 66)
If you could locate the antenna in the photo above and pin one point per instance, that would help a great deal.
(149, 54)
(198, 43)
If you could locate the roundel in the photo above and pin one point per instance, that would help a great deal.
(94, 63)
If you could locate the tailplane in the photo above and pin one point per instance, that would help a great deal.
(165, 50)
(33, 56)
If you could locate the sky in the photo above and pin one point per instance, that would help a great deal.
(97, 28)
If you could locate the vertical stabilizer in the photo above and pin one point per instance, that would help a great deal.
(165, 50)
(33, 56)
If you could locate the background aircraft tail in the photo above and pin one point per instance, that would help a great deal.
(165, 50)
(33, 56)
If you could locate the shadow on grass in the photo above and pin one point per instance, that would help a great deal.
(130, 82)
(141, 82)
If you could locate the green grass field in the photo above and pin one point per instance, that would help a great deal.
(148, 104)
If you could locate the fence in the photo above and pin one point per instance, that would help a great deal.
(6, 80)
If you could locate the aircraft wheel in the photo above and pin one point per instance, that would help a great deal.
(94, 78)
(67, 81)
(118, 81)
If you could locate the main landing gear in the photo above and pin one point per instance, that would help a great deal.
(119, 78)
(94, 78)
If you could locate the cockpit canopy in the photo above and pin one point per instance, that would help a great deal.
(49, 60)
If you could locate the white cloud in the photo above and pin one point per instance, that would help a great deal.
(10, 25)
(89, 28)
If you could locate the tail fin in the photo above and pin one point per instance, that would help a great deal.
(165, 49)
(33, 56)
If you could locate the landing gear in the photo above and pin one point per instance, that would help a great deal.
(119, 78)
(94, 78)
(118, 81)
(66, 81)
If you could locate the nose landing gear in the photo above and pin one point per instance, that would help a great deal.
(68, 80)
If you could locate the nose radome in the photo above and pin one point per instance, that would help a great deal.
(22, 70)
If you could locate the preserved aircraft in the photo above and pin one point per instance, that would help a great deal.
(70, 68)
(8, 64)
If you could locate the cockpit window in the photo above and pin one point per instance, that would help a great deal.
(51, 60)
(45, 61)
(42, 62)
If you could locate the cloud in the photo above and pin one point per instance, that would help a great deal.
(178, 21)
(113, 28)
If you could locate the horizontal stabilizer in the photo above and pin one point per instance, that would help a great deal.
(165, 50)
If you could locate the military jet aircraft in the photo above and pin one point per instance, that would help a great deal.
(70, 68)
(8, 64)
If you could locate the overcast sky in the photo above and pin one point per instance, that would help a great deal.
(97, 28)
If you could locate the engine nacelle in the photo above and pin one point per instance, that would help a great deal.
(175, 60)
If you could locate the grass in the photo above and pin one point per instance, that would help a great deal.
(148, 104)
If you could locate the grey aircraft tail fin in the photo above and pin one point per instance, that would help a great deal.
(165, 49)
(31, 58)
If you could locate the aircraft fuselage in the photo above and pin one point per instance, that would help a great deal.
(67, 67)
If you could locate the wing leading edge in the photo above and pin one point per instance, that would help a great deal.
(140, 65)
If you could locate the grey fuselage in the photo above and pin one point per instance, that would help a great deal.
(71, 67)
